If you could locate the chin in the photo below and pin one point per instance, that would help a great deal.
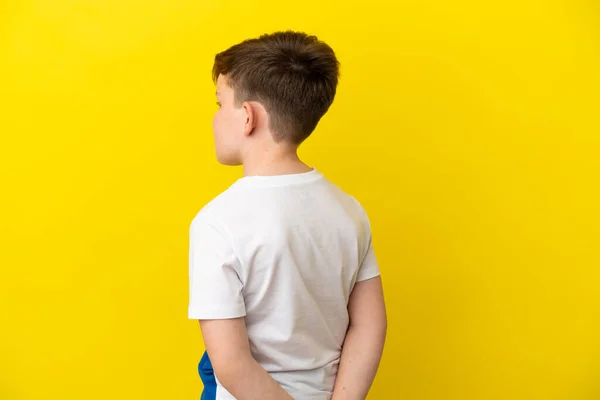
(228, 161)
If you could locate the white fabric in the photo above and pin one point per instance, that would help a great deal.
(284, 252)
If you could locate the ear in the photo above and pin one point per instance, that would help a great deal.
(250, 118)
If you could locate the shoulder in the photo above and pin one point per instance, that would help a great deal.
(214, 213)
(362, 219)
(354, 209)
(357, 211)
(360, 209)
(350, 203)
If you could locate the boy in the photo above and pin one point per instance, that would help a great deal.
(283, 276)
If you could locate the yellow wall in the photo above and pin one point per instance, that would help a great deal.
(470, 131)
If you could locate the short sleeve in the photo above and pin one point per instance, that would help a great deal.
(369, 267)
(215, 287)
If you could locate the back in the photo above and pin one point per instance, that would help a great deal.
(293, 247)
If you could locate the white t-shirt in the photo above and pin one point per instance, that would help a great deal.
(284, 252)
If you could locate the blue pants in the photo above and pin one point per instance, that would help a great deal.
(207, 375)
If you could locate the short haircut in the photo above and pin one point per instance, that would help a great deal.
(294, 75)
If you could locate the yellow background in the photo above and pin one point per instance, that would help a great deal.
(470, 130)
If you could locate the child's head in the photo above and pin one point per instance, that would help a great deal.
(272, 91)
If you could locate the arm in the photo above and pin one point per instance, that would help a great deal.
(227, 345)
(363, 346)
(217, 301)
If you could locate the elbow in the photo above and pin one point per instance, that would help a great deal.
(381, 330)
(225, 372)
(230, 371)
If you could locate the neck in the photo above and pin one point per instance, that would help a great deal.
(276, 160)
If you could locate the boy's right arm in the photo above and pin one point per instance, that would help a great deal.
(363, 346)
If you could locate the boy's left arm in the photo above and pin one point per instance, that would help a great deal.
(228, 348)
(216, 300)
